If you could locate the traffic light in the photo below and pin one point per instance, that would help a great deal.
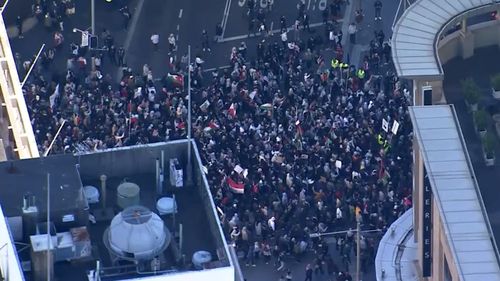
(93, 42)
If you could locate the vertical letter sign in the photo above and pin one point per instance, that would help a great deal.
(427, 230)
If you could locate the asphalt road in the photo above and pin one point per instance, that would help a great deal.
(107, 16)
(186, 19)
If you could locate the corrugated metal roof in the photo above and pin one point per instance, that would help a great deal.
(414, 35)
(455, 189)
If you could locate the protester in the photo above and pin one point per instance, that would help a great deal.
(294, 145)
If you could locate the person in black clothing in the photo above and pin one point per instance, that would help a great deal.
(126, 16)
(378, 10)
(19, 24)
(309, 273)
(283, 25)
(120, 56)
(204, 41)
(218, 32)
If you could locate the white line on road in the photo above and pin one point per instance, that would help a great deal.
(226, 16)
(178, 27)
(180, 13)
(308, 4)
(135, 18)
(215, 68)
(240, 37)
(349, 10)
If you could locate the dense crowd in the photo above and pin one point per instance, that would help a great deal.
(294, 144)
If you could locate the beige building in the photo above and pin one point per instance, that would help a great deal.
(447, 235)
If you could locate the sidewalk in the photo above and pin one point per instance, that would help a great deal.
(28, 24)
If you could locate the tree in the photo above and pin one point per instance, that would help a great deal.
(471, 91)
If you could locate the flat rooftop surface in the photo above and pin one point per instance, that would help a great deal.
(456, 192)
(30, 176)
(480, 68)
(196, 234)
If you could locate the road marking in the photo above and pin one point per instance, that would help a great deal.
(226, 16)
(349, 10)
(308, 4)
(180, 13)
(135, 18)
(178, 27)
(215, 68)
(240, 37)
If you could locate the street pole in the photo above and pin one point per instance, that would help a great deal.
(54, 139)
(35, 60)
(358, 250)
(189, 119)
(92, 26)
(49, 259)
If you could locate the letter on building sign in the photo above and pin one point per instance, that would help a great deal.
(427, 230)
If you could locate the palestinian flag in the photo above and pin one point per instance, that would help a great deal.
(175, 80)
(212, 125)
(236, 187)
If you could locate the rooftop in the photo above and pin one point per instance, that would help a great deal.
(30, 177)
(200, 228)
(417, 32)
(456, 191)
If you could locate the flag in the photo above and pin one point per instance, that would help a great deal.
(175, 80)
(235, 186)
(266, 106)
(52, 98)
(213, 125)
(232, 110)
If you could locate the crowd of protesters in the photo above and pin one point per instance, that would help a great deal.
(294, 145)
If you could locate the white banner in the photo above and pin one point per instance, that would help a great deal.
(395, 127)
(85, 39)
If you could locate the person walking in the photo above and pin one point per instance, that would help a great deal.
(218, 32)
(171, 43)
(126, 16)
(120, 56)
(352, 29)
(309, 273)
(155, 39)
(378, 10)
(19, 24)
(205, 42)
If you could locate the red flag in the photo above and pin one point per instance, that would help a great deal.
(213, 125)
(232, 110)
(235, 186)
